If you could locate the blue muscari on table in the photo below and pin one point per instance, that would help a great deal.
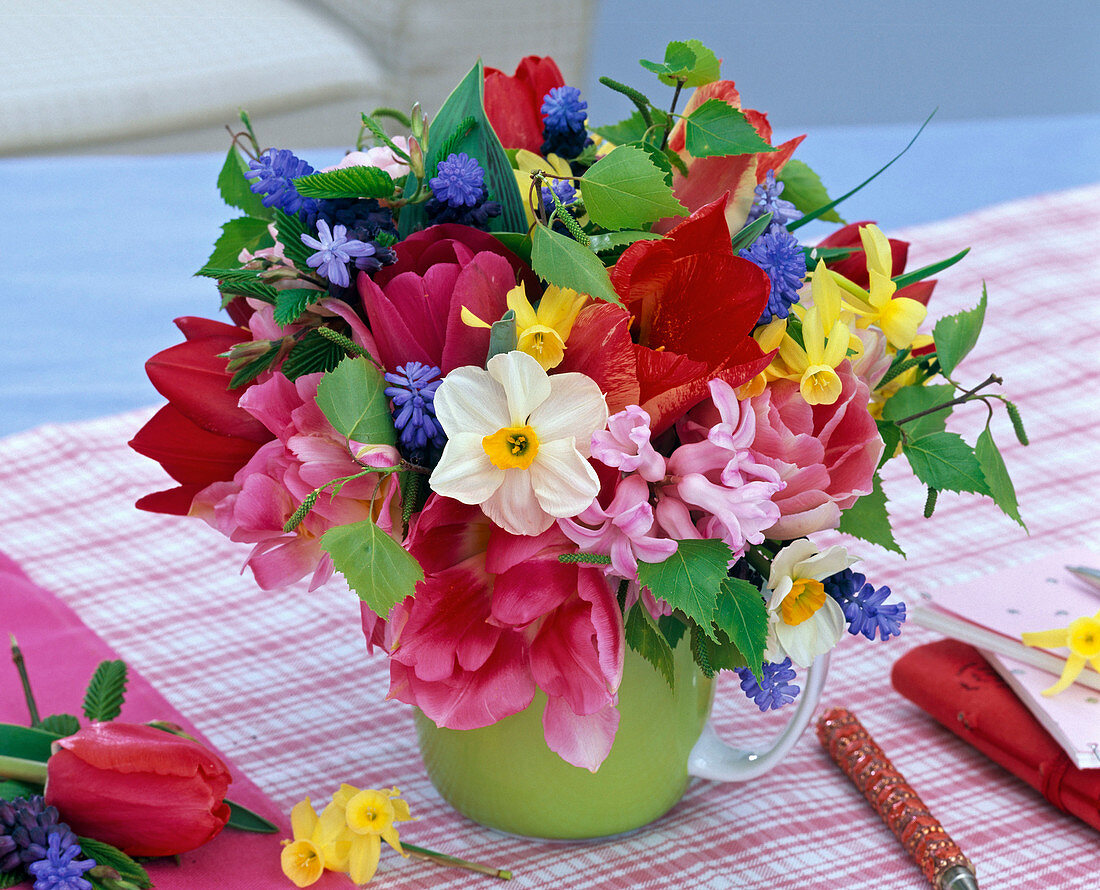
(99, 252)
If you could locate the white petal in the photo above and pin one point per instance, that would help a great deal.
(514, 506)
(469, 400)
(827, 562)
(576, 408)
(524, 382)
(814, 636)
(783, 565)
(464, 472)
(563, 481)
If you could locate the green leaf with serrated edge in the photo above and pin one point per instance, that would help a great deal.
(686, 60)
(868, 520)
(626, 190)
(996, 476)
(244, 819)
(558, 259)
(382, 136)
(112, 857)
(243, 233)
(106, 691)
(311, 354)
(346, 182)
(743, 616)
(502, 335)
(352, 397)
(62, 724)
(13, 788)
(292, 302)
(944, 461)
(291, 228)
(716, 128)
(244, 287)
(630, 130)
(929, 270)
(236, 191)
(517, 242)
(722, 654)
(679, 59)
(891, 437)
(643, 636)
(803, 188)
(690, 579)
(254, 368)
(609, 242)
(672, 628)
(910, 400)
(955, 335)
(26, 743)
(658, 157)
(480, 143)
(750, 233)
(376, 567)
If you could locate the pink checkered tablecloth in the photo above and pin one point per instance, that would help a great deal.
(281, 682)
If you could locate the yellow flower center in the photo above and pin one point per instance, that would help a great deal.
(369, 812)
(302, 862)
(512, 447)
(1084, 637)
(542, 343)
(820, 385)
(805, 598)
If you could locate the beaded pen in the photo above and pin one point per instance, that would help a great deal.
(920, 833)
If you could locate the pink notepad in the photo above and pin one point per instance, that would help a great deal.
(1040, 595)
(61, 653)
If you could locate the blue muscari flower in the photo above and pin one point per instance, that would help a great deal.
(563, 188)
(334, 251)
(563, 117)
(59, 868)
(775, 688)
(413, 393)
(779, 254)
(863, 605)
(767, 200)
(459, 194)
(273, 172)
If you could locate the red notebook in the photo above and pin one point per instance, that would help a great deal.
(952, 682)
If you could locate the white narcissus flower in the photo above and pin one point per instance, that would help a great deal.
(518, 441)
(805, 620)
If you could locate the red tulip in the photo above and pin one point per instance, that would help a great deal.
(146, 791)
(201, 436)
(514, 104)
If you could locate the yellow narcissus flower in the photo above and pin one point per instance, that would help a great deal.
(897, 317)
(1082, 638)
(527, 162)
(303, 859)
(542, 332)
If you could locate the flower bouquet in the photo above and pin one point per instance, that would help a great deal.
(551, 396)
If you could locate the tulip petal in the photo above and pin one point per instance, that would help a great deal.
(583, 741)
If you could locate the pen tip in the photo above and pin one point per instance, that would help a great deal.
(958, 877)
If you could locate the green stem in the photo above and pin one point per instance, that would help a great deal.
(671, 112)
(23, 770)
(21, 667)
(758, 561)
(444, 859)
(968, 395)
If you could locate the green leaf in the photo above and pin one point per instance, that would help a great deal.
(955, 335)
(12, 878)
(243, 233)
(626, 190)
(558, 259)
(382, 136)
(243, 287)
(346, 182)
(352, 397)
(803, 188)
(291, 228)
(62, 724)
(112, 857)
(252, 370)
(26, 743)
(630, 130)
(927, 271)
(690, 579)
(292, 302)
(311, 354)
(672, 628)
(750, 233)
(480, 143)
(644, 637)
(945, 462)
(868, 520)
(743, 616)
(450, 144)
(244, 819)
(13, 788)
(236, 191)
(996, 475)
(376, 567)
(517, 242)
(502, 335)
(911, 400)
(717, 128)
(828, 254)
(106, 691)
(609, 242)
(891, 436)
(689, 61)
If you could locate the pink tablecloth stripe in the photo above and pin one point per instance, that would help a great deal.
(280, 681)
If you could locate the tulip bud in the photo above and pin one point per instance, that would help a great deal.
(416, 159)
(145, 791)
(419, 120)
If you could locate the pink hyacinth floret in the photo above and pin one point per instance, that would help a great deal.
(718, 487)
(625, 445)
(624, 530)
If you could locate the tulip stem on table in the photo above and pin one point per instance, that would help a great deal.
(23, 770)
(17, 660)
(444, 859)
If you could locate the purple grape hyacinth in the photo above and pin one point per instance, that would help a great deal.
(774, 689)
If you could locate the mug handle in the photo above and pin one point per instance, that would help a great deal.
(712, 758)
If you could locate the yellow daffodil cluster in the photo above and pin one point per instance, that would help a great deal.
(346, 837)
(542, 332)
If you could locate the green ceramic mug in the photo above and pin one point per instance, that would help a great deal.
(505, 777)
